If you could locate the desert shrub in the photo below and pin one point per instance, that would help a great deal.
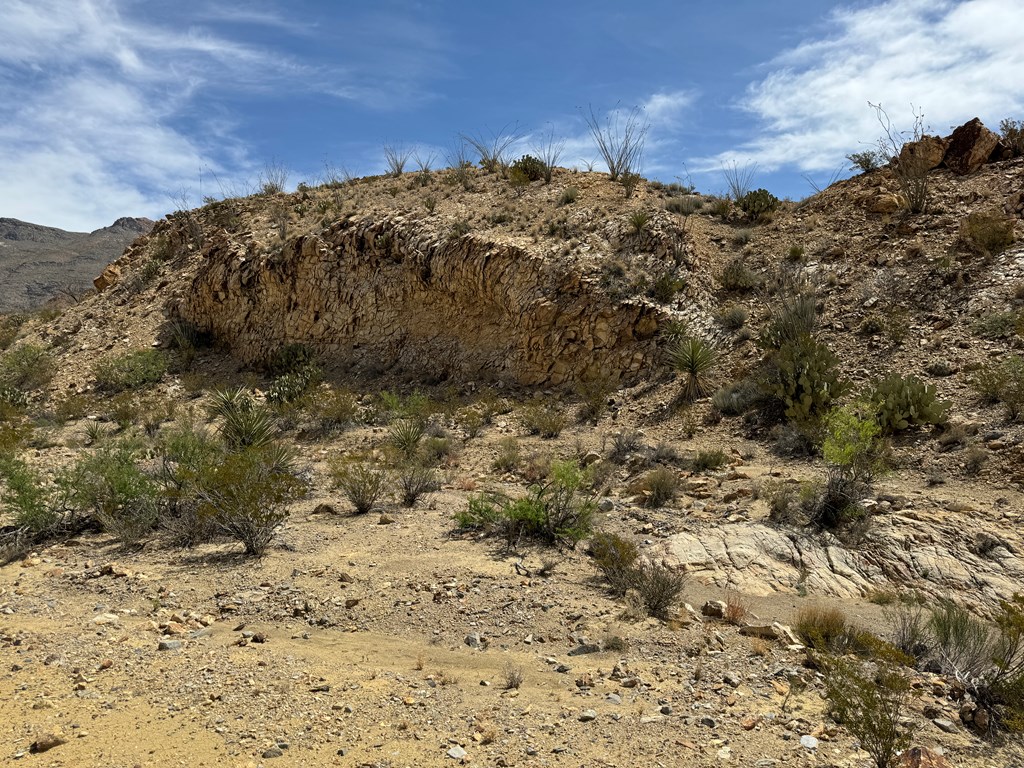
(871, 707)
(131, 370)
(665, 286)
(109, 484)
(659, 588)
(436, 449)
(27, 366)
(866, 161)
(616, 558)
(781, 499)
(695, 359)
(733, 317)
(796, 253)
(558, 511)
(738, 277)
(404, 435)
(1002, 381)
(834, 503)
(482, 512)
(530, 168)
(509, 455)
(737, 397)
(544, 419)
(805, 380)
(819, 627)
(872, 325)
(998, 325)
(186, 453)
(289, 358)
(362, 485)
(659, 487)
(25, 493)
(12, 401)
(1012, 134)
(638, 221)
(986, 233)
(757, 203)
(852, 443)
(569, 196)
(246, 495)
(395, 157)
(332, 410)
(790, 319)
(742, 236)
(962, 641)
(904, 402)
(909, 623)
(623, 444)
(706, 459)
(721, 207)
(415, 480)
(594, 394)
(684, 206)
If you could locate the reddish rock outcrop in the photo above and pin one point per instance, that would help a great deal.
(970, 147)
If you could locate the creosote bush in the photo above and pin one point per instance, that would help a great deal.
(616, 558)
(546, 420)
(659, 487)
(26, 366)
(362, 485)
(986, 233)
(871, 706)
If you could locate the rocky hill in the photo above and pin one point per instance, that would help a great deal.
(38, 263)
(530, 473)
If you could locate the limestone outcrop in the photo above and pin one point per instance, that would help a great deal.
(392, 294)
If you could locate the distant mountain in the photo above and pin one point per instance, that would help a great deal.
(38, 262)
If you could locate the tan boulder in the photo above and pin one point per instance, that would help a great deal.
(970, 147)
(110, 275)
(923, 155)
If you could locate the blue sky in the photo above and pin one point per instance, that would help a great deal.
(118, 107)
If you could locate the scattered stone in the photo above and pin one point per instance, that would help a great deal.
(457, 753)
(944, 725)
(475, 640)
(666, 709)
(714, 609)
(808, 742)
(587, 715)
(708, 722)
(732, 679)
(169, 645)
(45, 743)
(613, 698)
(273, 752)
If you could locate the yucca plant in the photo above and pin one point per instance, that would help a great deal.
(639, 220)
(405, 436)
(253, 428)
(695, 358)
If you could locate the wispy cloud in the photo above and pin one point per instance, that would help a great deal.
(954, 60)
(110, 112)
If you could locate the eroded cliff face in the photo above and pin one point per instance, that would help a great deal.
(390, 294)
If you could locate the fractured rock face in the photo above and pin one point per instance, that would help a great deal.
(923, 155)
(970, 147)
(388, 295)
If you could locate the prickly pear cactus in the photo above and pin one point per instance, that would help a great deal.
(902, 403)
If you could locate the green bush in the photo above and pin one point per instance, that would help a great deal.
(530, 167)
(509, 455)
(546, 420)
(757, 203)
(695, 359)
(616, 558)
(866, 161)
(733, 317)
(1012, 134)
(109, 484)
(24, 492)
(986, 233)
(362, 485)
(27, 366)
(131, 370)
(738, 277)
(999, 325)
(557, 511)
(289, 358)
(660, 487)
(708, 459)
(246, 495)
(253, 427)
(872, 707)
(901, 403)
(852, 442)
(569, 195)
(414, 480)
(482, 512)
(819, 627)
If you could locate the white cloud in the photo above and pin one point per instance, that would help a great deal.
(954, 60)
(107, 113)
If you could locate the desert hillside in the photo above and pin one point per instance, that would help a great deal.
(39, 263)
(484, 467)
